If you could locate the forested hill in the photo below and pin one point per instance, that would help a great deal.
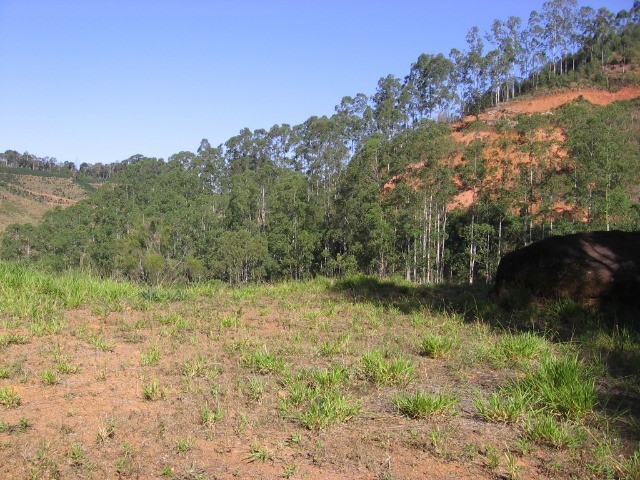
(25, 193)
(383, 187)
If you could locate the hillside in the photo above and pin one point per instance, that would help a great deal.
(26, 194)
(502, 145)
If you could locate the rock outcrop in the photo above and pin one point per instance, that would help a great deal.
(596, 267)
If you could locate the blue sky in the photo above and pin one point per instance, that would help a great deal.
(101, 80)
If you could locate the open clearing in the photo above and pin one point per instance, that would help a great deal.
(322, 379)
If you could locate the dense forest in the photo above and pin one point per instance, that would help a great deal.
(373, 188)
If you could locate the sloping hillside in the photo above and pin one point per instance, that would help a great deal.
(25, 195)
(506, 149)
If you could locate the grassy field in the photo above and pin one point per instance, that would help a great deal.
(325, 379)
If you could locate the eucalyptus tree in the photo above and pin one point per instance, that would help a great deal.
(472, 70)
(559, 18)
(431, 82)
(389, 106)
(356, 117)
(506, 36)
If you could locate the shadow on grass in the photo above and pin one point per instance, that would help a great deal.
(609, 336)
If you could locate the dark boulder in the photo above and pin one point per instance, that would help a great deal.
(596, 267)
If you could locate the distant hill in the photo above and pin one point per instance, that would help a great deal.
(26, 194)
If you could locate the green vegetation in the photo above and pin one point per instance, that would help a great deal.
(422, 404)
(327, 409)
(425, 369)
(9, 397)
(153, 288)
(371, 189)
(379, 366)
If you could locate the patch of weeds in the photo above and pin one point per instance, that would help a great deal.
(231, 321)
(548, 429)
(20, 426)
(340, 345)
(9, 397)
(259, 453)
(150, 356)
(157, 294)
(254, 389)
(123, 464)
(299, 392)
(330, 377)
(518, 349)
(328, 409)
(46, 319)
(176, 321)
(6, 372)
(13, 339)
(106, 431)
(49, 377)
(509, 404)
(99, 341)
(196, 367)
(151, 391)
(208, 416)
(183, 445)
(562, 385)
(513, 469)
(64, 367)
(294, 439)
(493, 458)
(435, 345)
(76, 455)
(421, 404)
(629, 468)
(262, 361)
(437, 437)
(289, 471)
(380, 368)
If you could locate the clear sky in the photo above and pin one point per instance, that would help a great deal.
(101, 80)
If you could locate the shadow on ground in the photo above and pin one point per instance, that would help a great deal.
(609, 336)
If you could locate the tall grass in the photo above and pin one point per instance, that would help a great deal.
(23, 289)
(28, 293)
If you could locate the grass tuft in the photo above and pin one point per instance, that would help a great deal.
(381, 369)
(9, 397)
(435, 345)
(328, 409)
(564, 386)
(420, 404)
(262, 361)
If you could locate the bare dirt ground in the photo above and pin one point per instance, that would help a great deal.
(95, 421)
(548, 102)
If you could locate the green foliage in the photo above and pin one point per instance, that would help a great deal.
(436, 345)
(262, 361)
(506, 405)
(9, 397)
(328, 409)
(384, 369)
(563, 385)
(517, 349)
(420, 404)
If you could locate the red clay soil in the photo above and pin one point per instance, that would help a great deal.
(506, 160)
(548, 102)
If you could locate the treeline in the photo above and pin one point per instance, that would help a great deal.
(373, 187)
(26, 160)
(51, 165)
(242, 215)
